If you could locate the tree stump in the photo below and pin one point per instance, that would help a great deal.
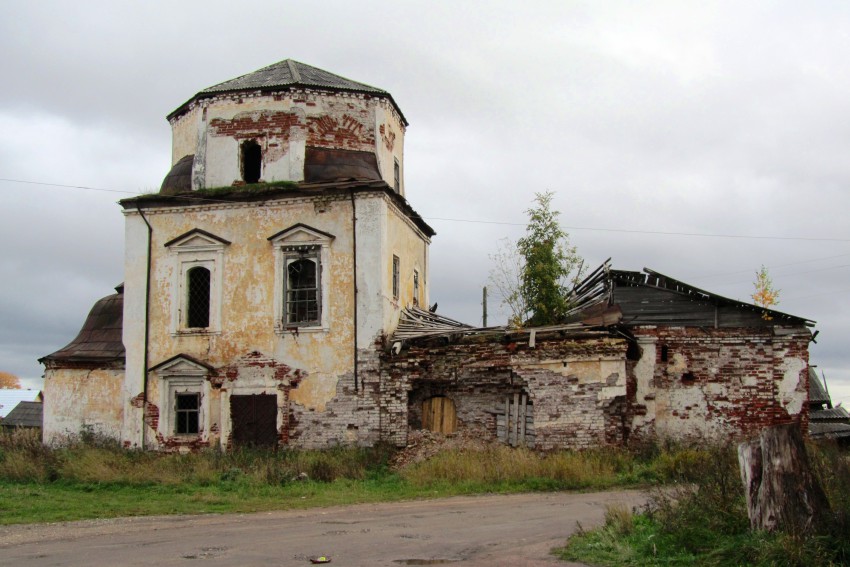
(782, 493)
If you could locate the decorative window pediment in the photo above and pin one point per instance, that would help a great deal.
(198, 266)
(182, 365)
(301, 234)
(197, 238)
(183, 396)
(301, 291)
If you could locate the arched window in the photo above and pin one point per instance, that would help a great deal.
(198, 298)
(252, 160)
(302, 290)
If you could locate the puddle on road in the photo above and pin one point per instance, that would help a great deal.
(426, 561)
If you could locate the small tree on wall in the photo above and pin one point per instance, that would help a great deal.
(535, 275)
(765, 295)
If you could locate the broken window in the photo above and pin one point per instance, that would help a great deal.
(252, 160)
(396, 263)
(416, 287)
(186, 414)
(198, 298)
(397, 176)
(302, 305)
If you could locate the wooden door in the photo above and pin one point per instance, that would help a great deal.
(438, 415)
(254, 420)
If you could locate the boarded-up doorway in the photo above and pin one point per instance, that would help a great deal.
(438, 414)
(254, 420)
(515, 421)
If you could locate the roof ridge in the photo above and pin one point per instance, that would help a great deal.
(294, 70)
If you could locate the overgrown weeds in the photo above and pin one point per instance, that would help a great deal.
(702, 519)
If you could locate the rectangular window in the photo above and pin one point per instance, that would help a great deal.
(396, 264)
(397, 176)
(186, 414)
(416, 287)
(302, 289)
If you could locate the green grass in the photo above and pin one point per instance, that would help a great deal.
(94, 478)
(704, 521)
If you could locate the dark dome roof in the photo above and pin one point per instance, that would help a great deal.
(100, 338)
(179, 179)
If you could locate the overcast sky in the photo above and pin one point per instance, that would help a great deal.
(725, 121)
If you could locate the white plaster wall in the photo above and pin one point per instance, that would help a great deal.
(645, 393)
(412, 248)
(222, 162)
(78, 400)
(371, 266)
(135, 276)
(389, 143)
(184, 135)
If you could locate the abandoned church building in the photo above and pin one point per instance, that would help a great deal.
(276, 294)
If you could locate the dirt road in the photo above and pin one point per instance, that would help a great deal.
(513, 530)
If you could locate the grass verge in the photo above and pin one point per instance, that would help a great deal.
(704, 522)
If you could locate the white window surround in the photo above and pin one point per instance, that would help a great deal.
(190, 250)
(181, 375)
(286, 244)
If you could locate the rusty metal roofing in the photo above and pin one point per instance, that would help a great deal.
(100, 338)
(325, 164)
(179, 179)
(289, 74)
(25, 414)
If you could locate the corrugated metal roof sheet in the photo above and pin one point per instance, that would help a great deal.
(827, 429)
(9, 398)
(25, 414)
(817, 391)
(831, 414)
(288, 74)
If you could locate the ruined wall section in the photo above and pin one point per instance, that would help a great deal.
(82, 400)
(573, 386)
(717, 383)
(351, 417)
(284, 124)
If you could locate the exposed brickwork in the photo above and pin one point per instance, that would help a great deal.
(351, 417)
(720, 383)
(151, 411)
(349, 130)
(263, 124)
(592, 391)
(568, 383)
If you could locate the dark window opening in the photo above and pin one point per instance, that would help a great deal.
(397, 176)
(252, 159)
(187, 413)
(198, 298)
(415, 288)
(633, 351)
(688, 377)
(664, 353)
(396, 263)
(302, 291)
